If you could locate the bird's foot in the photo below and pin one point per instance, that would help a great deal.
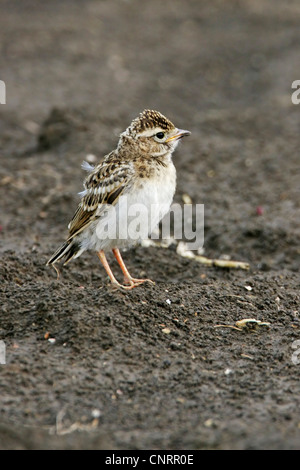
(136, 282)
(130, 283)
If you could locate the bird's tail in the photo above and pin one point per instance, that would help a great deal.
(67, 250)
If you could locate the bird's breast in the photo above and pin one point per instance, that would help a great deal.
(138, 210)
(151, 197)
(159, 188)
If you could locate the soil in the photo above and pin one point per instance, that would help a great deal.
(164, 366)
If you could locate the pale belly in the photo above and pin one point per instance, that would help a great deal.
(136, 214)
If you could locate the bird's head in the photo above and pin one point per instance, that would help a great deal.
(152, 134)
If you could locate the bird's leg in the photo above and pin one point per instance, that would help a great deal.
(114, 281)
(132, 281)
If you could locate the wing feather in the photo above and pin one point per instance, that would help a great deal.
(104, 185)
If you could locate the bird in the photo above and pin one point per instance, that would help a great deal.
(138, 173)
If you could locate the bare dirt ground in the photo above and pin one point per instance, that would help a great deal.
(87, 367)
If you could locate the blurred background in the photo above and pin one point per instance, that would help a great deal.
(76, 73)
(123, 55)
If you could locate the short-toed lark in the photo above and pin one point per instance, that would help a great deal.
(139, 172)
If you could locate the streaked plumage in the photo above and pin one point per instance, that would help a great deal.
(141, 170)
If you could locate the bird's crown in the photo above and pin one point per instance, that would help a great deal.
(150, 119)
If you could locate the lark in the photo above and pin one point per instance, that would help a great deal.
(138, 173)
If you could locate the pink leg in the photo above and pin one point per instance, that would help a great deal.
(114, 281)
(132, 281)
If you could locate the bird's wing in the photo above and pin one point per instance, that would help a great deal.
(104, 185)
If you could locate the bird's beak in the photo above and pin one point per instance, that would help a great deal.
(179, 134)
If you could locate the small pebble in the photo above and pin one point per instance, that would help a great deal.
(167, 331)
(248, 288)
(96, 413)
(90, 158)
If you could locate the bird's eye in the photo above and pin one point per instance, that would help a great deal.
(160, 135)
